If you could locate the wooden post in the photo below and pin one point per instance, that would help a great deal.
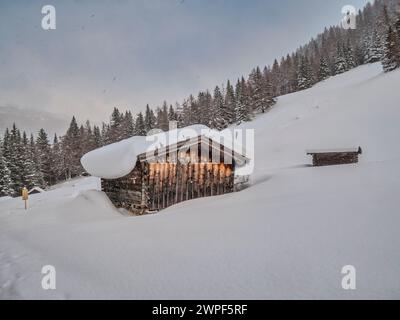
(25, 197)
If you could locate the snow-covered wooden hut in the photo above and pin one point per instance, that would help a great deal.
(330, 157)
(36, 190)
(145, 174)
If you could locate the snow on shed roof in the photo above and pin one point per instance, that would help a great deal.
(119, 159)
(343, 150)
(38, 189)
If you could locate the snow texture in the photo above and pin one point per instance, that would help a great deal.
(287, 236)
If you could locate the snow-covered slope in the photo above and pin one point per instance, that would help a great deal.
(287, 236)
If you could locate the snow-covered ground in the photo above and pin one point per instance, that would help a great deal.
(287, 236)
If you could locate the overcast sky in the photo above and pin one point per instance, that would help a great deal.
(127, 53)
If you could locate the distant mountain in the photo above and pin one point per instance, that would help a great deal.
(32, 120)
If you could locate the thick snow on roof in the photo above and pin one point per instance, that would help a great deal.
(342, 150)
(119, 159)
(38, 189)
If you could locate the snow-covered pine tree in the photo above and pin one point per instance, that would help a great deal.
(243, 107)
(340, 60)
(276, 78)
(116, 130)
(324, 70)
(30, 176)
(128, 126)
(162, 117)
(259, 97)
(90, 143)
(218, 110)
(397, 28)
(179, 114)
(373, 47)
(204, 110)
(172, 115)
(57, 160)
(14, 158)
(230, 104)
(72, 150)
(267, 90)
(140, 128)
(149, 119)
(5, 179)
(391, 57)
(5, 175)
(44, 154)
(304, 74)
(97, 136)
(349, 55)
(34, 156)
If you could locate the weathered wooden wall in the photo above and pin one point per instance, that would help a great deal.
(331, 159)
(153, 186)
(125, 192)
(173, 183)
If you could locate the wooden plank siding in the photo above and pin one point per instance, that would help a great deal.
(160, 182)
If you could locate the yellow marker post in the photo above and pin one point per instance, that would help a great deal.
(25, 196)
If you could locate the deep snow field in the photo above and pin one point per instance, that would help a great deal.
(287, 236)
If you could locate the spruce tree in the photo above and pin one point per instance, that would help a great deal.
(72, 150)
(34, 156)
(243, 107)
(340, 60)
(172, 115)
(218, 120)
(31, 177)
(391, 57)
(149, 119)
(128, 126)
(230, 104)
(116, 131)
(5, 179)
(304, 74)
(15, 158)
(162, 117)
(324, 70)
(349, 56)
(5, 175)
(44, 155)
(140, 129)
(98, 137)
(57, 160)
(372, 47)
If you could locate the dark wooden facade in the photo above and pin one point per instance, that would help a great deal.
(335, 157)
(155, 184)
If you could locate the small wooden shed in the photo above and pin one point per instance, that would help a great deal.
(334, 156)
(189, 168)
(36, 190)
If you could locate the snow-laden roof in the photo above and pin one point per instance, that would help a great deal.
(119, 159)
(343, 150)
(38, 189)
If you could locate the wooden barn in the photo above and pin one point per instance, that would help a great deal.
(334, 156)
(188, 168)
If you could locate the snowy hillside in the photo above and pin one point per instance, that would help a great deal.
(287, 236)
